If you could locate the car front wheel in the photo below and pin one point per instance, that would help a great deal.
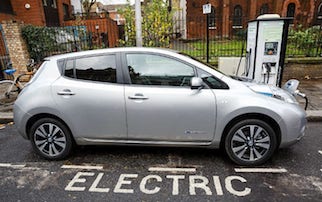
(51, 139)
(250, 142)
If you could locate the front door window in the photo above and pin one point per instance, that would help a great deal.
(148, 69)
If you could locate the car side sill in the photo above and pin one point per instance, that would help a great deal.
(86, 141)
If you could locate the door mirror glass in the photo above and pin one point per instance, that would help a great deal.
(196, 83)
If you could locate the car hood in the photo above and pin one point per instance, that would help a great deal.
(269, 90)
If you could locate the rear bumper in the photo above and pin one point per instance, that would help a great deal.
(20, 119)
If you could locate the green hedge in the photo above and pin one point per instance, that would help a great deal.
(39, 40)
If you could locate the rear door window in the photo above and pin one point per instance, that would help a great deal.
(95, 68)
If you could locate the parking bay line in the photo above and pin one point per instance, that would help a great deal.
(164, 169)
(260, 170)
(9, 165)
(82, 167)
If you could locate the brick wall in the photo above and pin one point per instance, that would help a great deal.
(17, 47)
(304, 14)
(34, 15)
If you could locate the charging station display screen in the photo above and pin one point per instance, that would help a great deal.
(271, 48)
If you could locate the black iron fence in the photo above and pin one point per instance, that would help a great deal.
(304, 42)
(190, 37)
(88, 35)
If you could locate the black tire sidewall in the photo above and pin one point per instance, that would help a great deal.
(69, 142)
(237, 126)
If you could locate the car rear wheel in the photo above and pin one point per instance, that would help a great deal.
(51, 139)
(250, 142)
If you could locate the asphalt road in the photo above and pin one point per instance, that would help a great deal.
(159, 174)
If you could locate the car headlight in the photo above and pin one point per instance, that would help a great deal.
(283, 95)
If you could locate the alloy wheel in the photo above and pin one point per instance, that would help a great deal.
(50, 139)
(250, 143)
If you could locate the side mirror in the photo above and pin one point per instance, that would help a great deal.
(196, 83)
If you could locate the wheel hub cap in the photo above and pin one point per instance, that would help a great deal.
(250, 143)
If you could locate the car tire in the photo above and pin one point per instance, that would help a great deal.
(250, 142)
(51, 139)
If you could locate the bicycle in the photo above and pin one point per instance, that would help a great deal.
(10, 88)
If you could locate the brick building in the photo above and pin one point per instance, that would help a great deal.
(229, 16)
(36, 12)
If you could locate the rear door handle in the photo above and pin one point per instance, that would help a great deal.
(65, 92)
(138, 96)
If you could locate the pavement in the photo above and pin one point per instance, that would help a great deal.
(311, 87)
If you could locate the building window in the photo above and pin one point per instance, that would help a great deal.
(319, 15)
(6, 7)
(66, 11)
(291, 11)
(264, 9)
(238, 17)
(212, 18)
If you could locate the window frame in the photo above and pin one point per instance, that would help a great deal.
(7, 7)
(319, 12)
(127, 78)
(288, 10)
(238, 19)
(54, 4)
(264, 9)
(119, 73)
(66, 11)
(212, 18)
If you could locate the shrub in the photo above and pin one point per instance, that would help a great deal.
(156, 25)
(305, 39)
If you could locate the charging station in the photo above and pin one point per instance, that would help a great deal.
(266, 47)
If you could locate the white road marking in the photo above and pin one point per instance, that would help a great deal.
(320, 151)
(260, 170)
(9, 165)
(161, 169)
(82, 167)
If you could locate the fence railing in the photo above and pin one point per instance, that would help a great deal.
(88, 35)
(192, 40)
(188, 37)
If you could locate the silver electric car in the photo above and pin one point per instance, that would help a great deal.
(155, 97)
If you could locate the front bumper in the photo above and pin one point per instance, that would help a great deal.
(295, 126)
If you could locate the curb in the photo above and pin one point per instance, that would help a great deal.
(6, 117)
(312, 116)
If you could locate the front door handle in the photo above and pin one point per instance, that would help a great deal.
(65, 92)
(138, 96)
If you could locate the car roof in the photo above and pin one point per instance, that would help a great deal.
(111, 50)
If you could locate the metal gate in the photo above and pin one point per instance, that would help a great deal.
(4, 54)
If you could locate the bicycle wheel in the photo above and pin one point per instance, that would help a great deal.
(8, 92)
